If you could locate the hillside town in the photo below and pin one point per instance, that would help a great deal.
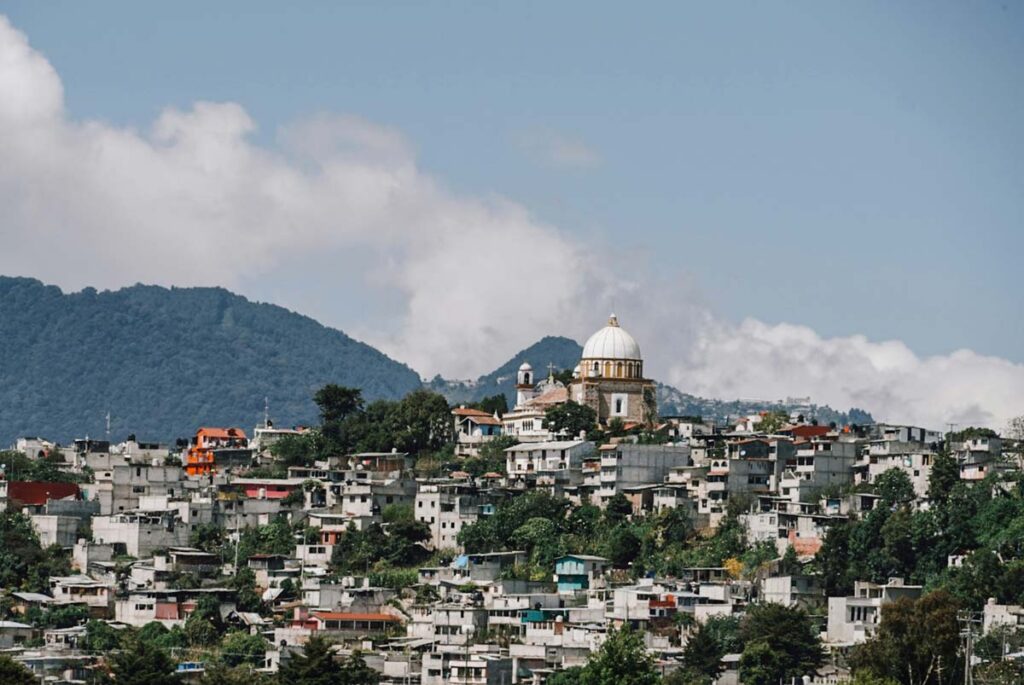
(525, 541)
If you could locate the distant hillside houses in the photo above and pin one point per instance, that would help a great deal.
(511, 545)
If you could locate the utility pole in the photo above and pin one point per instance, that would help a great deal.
(968, 620)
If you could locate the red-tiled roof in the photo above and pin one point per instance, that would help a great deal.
(806, 431)
(221, 432)
(465, 411)
(37, 493)
(343, 616)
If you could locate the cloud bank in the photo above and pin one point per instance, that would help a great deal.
(450, 283)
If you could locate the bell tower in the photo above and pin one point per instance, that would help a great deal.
(524, 384)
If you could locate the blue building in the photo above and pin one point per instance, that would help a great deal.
(578, 571)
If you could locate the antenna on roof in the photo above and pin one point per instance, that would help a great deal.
(266, 412)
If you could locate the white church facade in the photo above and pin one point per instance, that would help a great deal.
(609, 379)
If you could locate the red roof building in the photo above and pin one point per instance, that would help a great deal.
(36, 494)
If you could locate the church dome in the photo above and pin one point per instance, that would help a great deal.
(611, 342)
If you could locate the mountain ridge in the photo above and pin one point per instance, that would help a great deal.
(164, 361)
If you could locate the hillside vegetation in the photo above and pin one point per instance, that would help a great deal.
(165, 361)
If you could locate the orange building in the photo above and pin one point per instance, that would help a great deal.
(201, 458)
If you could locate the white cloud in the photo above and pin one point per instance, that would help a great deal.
(755, 359)
(194, 201)
(453, 284)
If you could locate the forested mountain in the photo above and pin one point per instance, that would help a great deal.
(165, 361)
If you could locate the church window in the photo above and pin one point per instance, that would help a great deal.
(608, 369)
(618, 370)
(618, 406)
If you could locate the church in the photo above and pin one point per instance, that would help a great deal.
(609, 379)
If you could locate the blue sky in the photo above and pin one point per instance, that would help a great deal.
(855, 168)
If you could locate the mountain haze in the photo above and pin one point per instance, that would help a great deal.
(165, 361)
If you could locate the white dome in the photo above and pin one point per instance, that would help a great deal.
(611, 342)
(525, 366)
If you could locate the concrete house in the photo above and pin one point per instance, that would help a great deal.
(852, 620)
(575, 572)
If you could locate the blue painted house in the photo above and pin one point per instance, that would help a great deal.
(578, 571)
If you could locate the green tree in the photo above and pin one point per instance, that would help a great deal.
(702, 656)
(915, 641)
(622, 546)
(538, 537)
(493, 404)
(621, 660)
(570, 418)
(337, 405)
(244, 582)
(316, 666)
(100, 637)
(13, 673)
(424, 422)
(491, 456)
(357, 550)
(60, 616)
(241, 647)
(760, 664)
(337, 402)
(397, 512)
(141, 663)
(494, 533)
(295, 450)
(158, 636)
(618, 509)
(772, 421)
(833, 561)
(208, 537)
(894, 487)
(779, 642)
(277, 537)
(24, 563)
(354, 671)
(726, 631)
(675, 526)
(944, 476)
(204, 625)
